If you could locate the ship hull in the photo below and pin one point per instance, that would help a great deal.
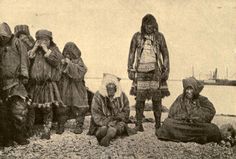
(220, 82)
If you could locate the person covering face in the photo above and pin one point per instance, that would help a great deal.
(72, 87)
(45, 74)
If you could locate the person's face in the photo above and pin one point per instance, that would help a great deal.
(4, 39)
(22, 36)
(189, 92)
(149, 28)
(67, 55)
(111, 89)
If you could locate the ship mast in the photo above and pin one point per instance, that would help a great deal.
(227, 73)
(193, 71)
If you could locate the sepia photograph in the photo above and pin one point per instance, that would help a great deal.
(118, 79)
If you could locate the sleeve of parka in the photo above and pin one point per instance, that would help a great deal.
(54, 58)
(176, 111)
(132, 51)
(164, 52)
(204, 111)
(125, 112)
(24, 63)
(173, 108)
(76, 69)
(96, 111)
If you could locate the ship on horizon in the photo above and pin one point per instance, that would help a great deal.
(214, 80)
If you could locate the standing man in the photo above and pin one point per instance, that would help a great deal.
(13, 76)
(22, 32)
(45, 74)
(150, 69)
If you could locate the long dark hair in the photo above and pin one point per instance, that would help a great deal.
(147, 20)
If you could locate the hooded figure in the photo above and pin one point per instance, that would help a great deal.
(13, 76)
(72, 88)
(45, 74)
(109, 111)
(190, 116)
(148, 67)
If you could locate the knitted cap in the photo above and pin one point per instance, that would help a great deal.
(21, 29)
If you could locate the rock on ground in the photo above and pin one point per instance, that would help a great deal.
(143, 145)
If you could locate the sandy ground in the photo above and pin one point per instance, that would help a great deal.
(142, 145)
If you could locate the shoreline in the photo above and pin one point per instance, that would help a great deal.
(142, 145)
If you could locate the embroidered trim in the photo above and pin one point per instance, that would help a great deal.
(146, 67)
(147, 85)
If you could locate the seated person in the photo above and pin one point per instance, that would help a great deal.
(190, 116)
(109, 111)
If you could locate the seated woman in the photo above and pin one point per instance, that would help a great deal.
(190, 116)
(109, 111)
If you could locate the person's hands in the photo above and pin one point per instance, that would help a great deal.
(31, 54)
(23, 79)
(164, 74)
(131, 74)
(121, 124)
(36, 45)
(26, 40)
(119, 117)
(112, 124)
(67, 60)
(44, 47)
(63, 61)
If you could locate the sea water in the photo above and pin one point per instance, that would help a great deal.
(223, 97)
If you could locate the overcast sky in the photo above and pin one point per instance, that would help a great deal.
(199, 33)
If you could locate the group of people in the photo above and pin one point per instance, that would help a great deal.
(35, 75)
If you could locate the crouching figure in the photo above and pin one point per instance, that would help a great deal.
(109, 111)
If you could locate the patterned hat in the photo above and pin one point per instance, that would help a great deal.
(43, 34)
(21, 29)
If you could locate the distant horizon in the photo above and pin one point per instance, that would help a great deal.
(123, 78)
